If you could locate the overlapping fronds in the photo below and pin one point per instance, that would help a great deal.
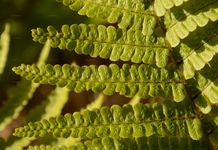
(130, 14)
(143, 143)
(4, 47)
(179, 56)
(20, 95)
(204, 86)
(129, 80)
(107, 42)
(197, 50)
(161, 6)
(189, 17)
(207, 97)
(176, 119)
(49, 108)
(95, 104)
(16, 102)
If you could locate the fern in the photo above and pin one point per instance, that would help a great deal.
(176, 40)
(97, 103)
(161, 6)
(49, 108)
(107, 42)
(21, 94)
(128, 14)
(129, 80)
(153, 142)
(134, 100)
(203, 87)
(197, 53)
(180, 27)
(121, 122)
(4, 47)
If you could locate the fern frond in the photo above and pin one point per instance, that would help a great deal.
(176, 119)
(188, 20)
(132, 14)
(49, 108)
(161, 6)
(16, 102)
(4, 47)
(203, 87)
(20, 95)
(18, 143)
(200, 57)
(135, 100)
(144, 143)
(97, 103)
(107, 42)
(141, 80)
(197, 50)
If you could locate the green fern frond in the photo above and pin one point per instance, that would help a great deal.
(197, 50)
(204, 101)
(200, 57)
(20, 95)
(44, 53)
(136, 99)
(97, 103)
(142, 80)
(161, 6)
(4, 47)
(18, 143)
(179, 53)
(186, 20)
(144, 143)
(16, 102)
(135, 15)
(203, 87)
(49, 108)
(176, 119)
(107, 42)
